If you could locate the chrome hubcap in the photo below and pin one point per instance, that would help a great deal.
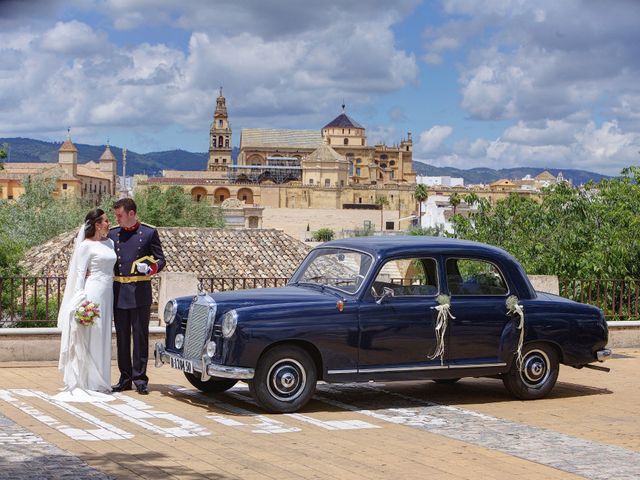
(535, 369)
(286, 380)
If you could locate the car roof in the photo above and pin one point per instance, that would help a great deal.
(385, 246)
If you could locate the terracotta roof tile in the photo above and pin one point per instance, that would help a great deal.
(207, 252)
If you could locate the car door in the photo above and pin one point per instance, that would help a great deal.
(397, 331)
(478, 291)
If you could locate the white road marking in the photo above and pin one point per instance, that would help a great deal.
(142, 414)
(263, 425)
(105, 430)
(333, 424)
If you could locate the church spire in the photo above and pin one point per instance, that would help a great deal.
(221, 106)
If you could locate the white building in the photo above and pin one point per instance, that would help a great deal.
(444, 181)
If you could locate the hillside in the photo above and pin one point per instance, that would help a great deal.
(29, 150)
(488, 175)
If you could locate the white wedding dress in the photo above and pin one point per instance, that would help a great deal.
(85, 351)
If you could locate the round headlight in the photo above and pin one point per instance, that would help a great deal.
(229, 322)
(170, 311)
(211, 349)
(179, 341)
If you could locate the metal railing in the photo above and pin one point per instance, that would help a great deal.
(34, 301)
(619, 299)
(221, 284)
(30, 301)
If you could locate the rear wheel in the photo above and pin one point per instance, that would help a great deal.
(285, 379)
(213, 385)
(537, 375)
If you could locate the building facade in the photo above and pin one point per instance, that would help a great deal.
(89, 181)
(330, 168)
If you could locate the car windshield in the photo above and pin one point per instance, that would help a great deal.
(334, 267)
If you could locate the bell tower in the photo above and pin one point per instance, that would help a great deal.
(220, 139)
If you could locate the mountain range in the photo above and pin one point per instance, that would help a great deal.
(152, 163)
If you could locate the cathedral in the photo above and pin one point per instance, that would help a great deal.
(329, 168)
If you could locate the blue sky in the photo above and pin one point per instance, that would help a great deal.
(500, 83)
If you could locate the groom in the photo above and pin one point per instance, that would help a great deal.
(139, 257)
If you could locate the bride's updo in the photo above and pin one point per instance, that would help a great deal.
(90, 221)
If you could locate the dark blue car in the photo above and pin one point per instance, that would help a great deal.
(390, 308)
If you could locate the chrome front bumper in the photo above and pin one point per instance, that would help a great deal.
(210, 369)
(604, 354)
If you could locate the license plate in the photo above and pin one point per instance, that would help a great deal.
(181, 364)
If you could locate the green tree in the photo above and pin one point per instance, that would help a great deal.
(3, 155)
(588, 232)
(323, 235)
(454, 201)
(382, 202)
(175, 208)
(421, 194)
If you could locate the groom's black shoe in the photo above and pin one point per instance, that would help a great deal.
(142, 389)
(121, 387)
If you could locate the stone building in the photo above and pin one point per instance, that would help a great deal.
(89, 181)
(330, 168)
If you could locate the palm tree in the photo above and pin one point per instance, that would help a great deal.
(471, 199)
(382, 201)
(421, 193)
(454, 201)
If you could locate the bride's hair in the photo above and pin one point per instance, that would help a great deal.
(90, 222)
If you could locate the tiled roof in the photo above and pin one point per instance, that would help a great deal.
(324, 153)
(68, 146)
(107, 154)
(274, 138)
(204, 251)
(343, 121)
(190, 174)
(93, 172)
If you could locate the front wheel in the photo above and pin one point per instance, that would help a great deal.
(285, 379)
(213, 385)
(537, 375)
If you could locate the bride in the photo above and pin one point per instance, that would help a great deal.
(85, 350)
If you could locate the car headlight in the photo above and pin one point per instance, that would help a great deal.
(179, 341)
(211, 349)
(170, 311)
(229, 322)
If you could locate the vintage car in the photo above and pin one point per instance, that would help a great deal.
(371, 308)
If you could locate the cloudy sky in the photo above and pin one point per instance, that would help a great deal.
(497, 83)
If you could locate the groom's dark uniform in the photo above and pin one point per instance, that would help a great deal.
(132, 297)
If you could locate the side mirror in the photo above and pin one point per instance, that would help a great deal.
(386, 292)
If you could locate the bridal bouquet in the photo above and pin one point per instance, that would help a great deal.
(87, 313)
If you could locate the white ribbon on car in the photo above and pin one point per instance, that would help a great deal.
(444, 313)
(514, 308)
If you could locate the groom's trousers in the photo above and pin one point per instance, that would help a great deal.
(132, 321)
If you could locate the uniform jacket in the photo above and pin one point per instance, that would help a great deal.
(132, 247)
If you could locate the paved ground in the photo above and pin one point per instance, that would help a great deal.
(588, 428)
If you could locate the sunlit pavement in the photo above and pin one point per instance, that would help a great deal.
(589, 427)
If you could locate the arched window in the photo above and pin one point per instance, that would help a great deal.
(226, 143)
(346, 141)
(213, 142)
(220, 123)
(220, 142)
(327, 182)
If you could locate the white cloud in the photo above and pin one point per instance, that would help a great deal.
(431, 140)
(74, 38)
(294, 69)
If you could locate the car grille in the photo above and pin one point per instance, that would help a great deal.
(199, 324)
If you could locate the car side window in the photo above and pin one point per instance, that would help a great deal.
(407, 277)
(470, 276)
